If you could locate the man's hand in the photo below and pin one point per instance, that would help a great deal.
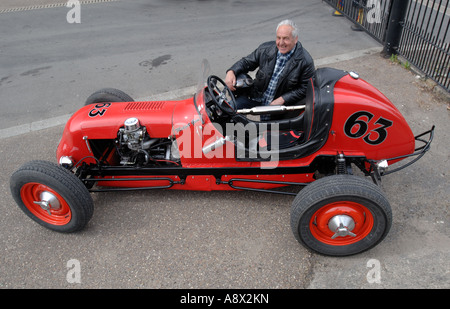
(230, 80)
(279, 101)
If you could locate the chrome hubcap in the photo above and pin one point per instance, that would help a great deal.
(48, 202)
(341, 226)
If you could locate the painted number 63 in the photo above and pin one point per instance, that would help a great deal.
(359, 125)
(99, 109)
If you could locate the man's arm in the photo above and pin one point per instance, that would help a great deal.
(278, 101)
(245, 65)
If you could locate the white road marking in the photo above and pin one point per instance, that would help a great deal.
(51, 5)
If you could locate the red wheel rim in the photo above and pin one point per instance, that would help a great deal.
(361, 216)
(31, 193)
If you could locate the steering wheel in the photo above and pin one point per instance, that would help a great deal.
(221, 95)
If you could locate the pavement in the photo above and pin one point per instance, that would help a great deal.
(239, 239)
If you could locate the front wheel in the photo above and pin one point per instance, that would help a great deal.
(340, 215)
(52, 196)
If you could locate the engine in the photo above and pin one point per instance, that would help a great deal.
(136, 147)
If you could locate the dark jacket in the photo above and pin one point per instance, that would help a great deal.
(294, 78)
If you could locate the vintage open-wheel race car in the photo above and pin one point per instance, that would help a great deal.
(344, 125)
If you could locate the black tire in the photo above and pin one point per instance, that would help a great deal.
(320, 205)
(74, 204)
(108, 95)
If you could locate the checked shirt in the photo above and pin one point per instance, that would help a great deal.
(282, 59)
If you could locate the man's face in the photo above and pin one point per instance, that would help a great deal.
(285, 41)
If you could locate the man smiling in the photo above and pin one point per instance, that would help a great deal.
(285, 68)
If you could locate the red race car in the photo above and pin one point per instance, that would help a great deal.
(204, 143)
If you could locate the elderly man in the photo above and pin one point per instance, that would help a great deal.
(284, 70)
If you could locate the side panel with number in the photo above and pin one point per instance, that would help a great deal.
(362, 125)
(365, 121)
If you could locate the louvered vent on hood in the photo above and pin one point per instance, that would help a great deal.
(140, 106)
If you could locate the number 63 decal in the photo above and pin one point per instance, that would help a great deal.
(99, 109)
(358, 126)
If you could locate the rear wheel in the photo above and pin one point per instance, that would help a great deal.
(108, 95)
(52, 196)
(340, 215)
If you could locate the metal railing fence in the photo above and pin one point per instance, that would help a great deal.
(418, 30)
(425, 39)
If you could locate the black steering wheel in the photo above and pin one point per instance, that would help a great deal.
(221, 95)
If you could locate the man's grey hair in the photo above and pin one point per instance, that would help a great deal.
(289, 22)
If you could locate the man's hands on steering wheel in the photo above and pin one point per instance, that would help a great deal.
(221, 95)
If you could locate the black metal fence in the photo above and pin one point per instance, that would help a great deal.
(418, 30)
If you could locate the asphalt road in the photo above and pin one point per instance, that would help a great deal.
(49, 66)
(177, 239)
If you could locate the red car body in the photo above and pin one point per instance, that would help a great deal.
(365, 124)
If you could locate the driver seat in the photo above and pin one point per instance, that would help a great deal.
(313, 124)
(296, 130)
